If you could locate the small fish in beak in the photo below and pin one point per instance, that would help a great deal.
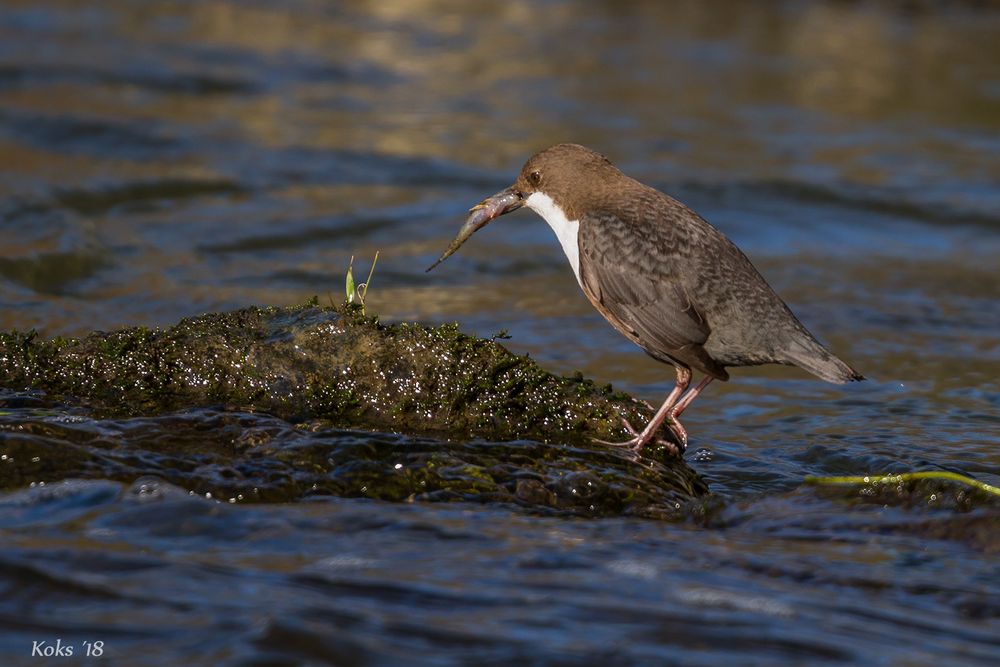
(481, 215)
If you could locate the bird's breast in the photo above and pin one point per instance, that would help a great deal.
(566, 230)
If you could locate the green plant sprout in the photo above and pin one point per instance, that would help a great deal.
(358, 292)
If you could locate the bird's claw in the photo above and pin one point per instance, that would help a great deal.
(636, 443)
(679, 432)
(646, 404)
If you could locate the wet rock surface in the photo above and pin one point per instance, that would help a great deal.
(310, 362)
(277, 404)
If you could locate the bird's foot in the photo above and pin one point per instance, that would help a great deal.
(640, 440)
(647, 404)
(679, 432)
(635, 444)
(629, 428)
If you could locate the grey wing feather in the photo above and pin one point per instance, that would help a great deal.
(626, 269)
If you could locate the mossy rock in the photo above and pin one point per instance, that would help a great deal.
(309, 362)
(474, 421)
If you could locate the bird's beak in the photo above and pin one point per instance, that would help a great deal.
(480, 215)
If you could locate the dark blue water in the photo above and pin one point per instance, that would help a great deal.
(159, 160)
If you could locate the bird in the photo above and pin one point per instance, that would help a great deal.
(661, 275)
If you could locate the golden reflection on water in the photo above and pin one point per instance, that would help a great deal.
(713, 92)
(669, 65)
(851, 145)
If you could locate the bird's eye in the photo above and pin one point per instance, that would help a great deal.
(535, 177)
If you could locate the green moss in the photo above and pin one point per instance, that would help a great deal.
(310, 362)
(338, 367)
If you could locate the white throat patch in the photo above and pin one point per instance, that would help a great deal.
(566, 230)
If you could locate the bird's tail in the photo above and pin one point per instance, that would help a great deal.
(810, 355)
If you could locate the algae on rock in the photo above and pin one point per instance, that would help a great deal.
(519, 434)
(309, 362)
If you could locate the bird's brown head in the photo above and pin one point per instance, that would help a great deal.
(569, 174)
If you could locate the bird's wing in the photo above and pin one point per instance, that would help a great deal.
(626, 269)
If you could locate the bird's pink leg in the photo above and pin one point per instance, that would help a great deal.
(642, 439)
(675, 425)
(683, 404)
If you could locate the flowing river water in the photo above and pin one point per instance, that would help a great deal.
(165, 159)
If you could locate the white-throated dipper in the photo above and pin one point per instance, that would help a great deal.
(660, 274)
